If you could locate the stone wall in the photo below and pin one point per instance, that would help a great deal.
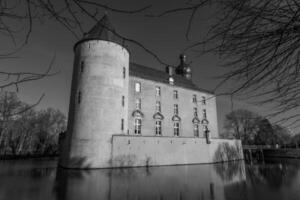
(185, 106)
(152, 151)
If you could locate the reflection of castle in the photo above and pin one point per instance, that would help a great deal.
(125, 114)
(191, 182)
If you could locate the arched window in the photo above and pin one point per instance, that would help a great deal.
(176, 128)
(158, 127)
(137, 126)
(196, 130)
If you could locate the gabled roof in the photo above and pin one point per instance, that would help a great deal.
(161, 76)
(103, 30)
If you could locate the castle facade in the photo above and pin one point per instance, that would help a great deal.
(123, 114)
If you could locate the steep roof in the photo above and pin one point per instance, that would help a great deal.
(103, 30)
(161, 76)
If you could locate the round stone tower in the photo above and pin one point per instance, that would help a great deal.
(99, 99)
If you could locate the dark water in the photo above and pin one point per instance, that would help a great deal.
(40, 179)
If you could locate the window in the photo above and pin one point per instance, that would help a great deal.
(123, 101)
(175, 94)
(176, 128)
(122, 124)
(176, 109)
(137, 126)
(124, 72)
(171, 80)
(194, 98)
(137, 87)
(204, 114)
(81, 66)
(195, 112)
(196, 130)
(79, 97)
(157, 89)
(158, 106)
(138, 104)
(203, 101)
(158, 127)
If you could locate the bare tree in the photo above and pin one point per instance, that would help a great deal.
(259, 41)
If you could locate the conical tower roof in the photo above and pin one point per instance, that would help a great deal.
(103, 30)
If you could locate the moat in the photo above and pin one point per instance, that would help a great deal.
(41, 179)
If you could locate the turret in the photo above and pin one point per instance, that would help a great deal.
(183, 68)
(99, 96)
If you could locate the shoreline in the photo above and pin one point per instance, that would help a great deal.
(24, 157)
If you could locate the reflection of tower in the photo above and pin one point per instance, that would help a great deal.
(183, 68)
(99, 95)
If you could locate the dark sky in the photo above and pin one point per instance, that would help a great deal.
(165, 36)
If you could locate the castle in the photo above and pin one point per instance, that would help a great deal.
(124, 114)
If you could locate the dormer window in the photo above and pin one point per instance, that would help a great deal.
(171, 80)
(137, 87)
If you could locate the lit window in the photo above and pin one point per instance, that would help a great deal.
(203, 101)
(137, 126)
(176, 109)
(194, 98)
(175, 94)
(122, 124)
(196, 130)
(204, 114)
(124, 72)
(158, 127)
(176, 128)
(157, 89)
(138, 104)
(123, 101)
(195, 112)
(137, 87)
(79, 97)
(81, 66)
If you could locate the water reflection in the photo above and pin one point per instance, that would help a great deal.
(40, 179)
(171, 182)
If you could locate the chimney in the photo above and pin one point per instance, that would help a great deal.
(170, 70)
